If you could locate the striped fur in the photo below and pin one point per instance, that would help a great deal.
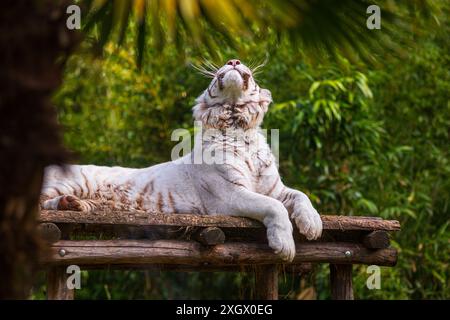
(245, 183)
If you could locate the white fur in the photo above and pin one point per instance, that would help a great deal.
(246, 183)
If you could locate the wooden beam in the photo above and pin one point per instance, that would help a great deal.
(140, 218)
(344, 223)
(106, 252)
(376, 240)
(266, 282)
(210, 236)
(341, 281)
(57, 284)
(49, 232)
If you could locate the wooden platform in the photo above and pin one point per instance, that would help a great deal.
(185, 242)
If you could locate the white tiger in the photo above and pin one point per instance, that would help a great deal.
(246, 184)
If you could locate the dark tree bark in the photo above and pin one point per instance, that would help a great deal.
(34, 44)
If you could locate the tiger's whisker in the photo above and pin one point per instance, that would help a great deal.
(260, 65)
(210, 65)
(203, 71)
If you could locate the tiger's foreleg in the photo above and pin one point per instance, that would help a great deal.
(269, 211)
(299, 206)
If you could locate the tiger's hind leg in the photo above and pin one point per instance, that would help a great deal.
(70, 203)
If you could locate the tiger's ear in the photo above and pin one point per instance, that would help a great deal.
(265, 98)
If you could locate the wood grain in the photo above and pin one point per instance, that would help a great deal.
(376, 240)
(341, 281)
(57, 284)
(210, 236)
(135, 252)
(49, 232)
(266, 282)
(330, 222)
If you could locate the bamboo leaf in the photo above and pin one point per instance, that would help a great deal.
(140, 9)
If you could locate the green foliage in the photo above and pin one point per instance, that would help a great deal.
(358, 141)
(134, 112)
(325, 27)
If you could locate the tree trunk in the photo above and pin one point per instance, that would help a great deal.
(34, 43)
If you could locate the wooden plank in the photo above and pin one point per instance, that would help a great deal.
(140, 218)
(57, 284)
(341, 281)
(266, 282)
(146, 219)
(104, 252)
(344, 223)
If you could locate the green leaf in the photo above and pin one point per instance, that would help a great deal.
(313, 88)
(141, 36)
(368, 205)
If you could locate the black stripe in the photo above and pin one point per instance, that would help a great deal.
(86, 183)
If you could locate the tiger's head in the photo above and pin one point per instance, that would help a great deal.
(232, 99)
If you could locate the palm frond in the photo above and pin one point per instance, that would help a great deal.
(325, 27)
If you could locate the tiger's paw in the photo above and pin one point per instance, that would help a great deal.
(66, 202)
(308, 221)
(279, 235)
(70, 203)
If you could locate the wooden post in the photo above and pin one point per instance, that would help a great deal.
(266, 282)
(341, 281)
(57, 284)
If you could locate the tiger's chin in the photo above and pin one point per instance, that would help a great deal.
(233, 83)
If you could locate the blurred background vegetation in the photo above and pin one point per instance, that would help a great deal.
(359, 136)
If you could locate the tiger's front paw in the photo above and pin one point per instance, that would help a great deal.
(66, 202)
(71, 203)
(307, 220)
(279, 235)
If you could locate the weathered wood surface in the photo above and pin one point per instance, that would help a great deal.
(210, 236)
(134, 252)
(330, 222)
(341, 282)
(376, 240)
(266, 282)
(49, 232)
(57, 284)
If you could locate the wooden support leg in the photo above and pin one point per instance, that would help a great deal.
(57, 284)
(341, 281)
(266, 282)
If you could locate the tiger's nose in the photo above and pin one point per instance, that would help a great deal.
(233, 62)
